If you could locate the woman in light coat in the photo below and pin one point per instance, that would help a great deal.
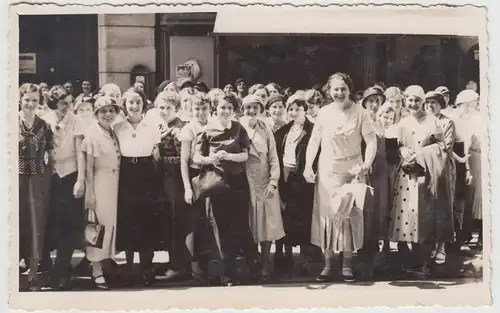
(263, 172)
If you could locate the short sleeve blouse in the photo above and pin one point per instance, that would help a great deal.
(34, 141)
(342, 131)
(232, 139)
(138, 142)
(189, 133)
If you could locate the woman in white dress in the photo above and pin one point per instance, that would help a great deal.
(467, 103)
(102, 167)
(263, 172)
(339, 130)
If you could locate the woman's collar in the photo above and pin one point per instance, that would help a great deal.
(215, 123)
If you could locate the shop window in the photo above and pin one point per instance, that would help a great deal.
(291, 61)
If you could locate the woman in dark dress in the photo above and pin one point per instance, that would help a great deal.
(35, 142)
(167, 104)
(223, 145)
(295, 192)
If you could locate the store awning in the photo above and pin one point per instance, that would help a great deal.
(377, 20)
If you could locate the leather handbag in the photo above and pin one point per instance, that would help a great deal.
(94, 232)
(209, 182)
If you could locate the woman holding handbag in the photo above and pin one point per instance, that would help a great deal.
(167, 104)
(222, 149)
(340, 128)
(101, 199)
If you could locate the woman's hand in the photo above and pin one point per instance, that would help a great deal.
(309, 175)
(462, 159)
(468, 178)
(360, 170)
(90, 202)
(407, 154)
(212, 159)
(188, 196)
(79, 189)
(156, 153)
(270, 191)
(223, 155)
(46, 158)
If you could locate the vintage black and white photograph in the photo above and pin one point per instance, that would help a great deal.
(261, 149)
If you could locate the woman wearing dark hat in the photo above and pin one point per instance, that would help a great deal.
(449, 108)
(167, 85)
(373, 98)
(376, 216)
(434, 103)
(275, 108)
(201, 87)
(228, 88)
(102, 163)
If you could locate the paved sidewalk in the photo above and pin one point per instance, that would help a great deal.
(466, 268)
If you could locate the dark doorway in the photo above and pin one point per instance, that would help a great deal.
(299, 62)
(66, 48)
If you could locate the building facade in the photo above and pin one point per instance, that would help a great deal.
(153, 47)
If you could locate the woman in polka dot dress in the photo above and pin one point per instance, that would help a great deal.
(420, 192)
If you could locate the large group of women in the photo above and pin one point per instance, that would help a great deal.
(326, 169)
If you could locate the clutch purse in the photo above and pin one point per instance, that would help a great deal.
(413, 168)
(209, 182)
(94, 232)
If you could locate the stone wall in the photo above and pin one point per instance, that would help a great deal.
(126, 40)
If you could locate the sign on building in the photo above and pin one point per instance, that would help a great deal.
(27, 63)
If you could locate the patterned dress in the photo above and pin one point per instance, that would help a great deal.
(421, 213)
(34, 183)
(170, 170)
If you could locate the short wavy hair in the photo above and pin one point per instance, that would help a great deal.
(128, 93)
(229, 97)
(56, 93)
(343, 77)
(314, 97)
(169, 97)
(28, 88)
